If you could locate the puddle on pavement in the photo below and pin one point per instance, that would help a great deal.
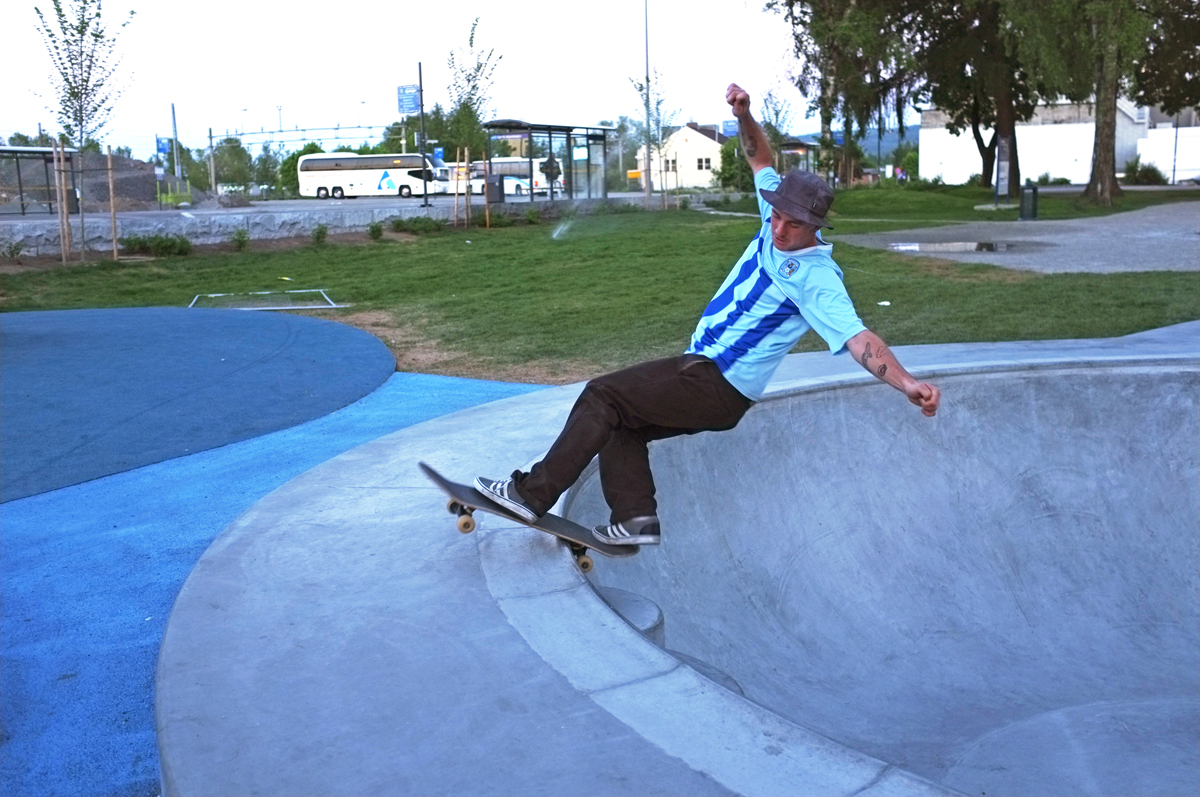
(956, 246)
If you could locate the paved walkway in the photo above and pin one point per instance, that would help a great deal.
(1159, 238)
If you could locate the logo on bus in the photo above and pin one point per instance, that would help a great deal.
(385, 182)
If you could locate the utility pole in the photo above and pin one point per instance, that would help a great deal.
(175, 142)
(212, 164)
(424, 169)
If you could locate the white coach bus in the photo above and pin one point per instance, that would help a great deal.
(344, 174)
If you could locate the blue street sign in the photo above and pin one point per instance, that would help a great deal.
(409, 99)
(729, 127)
(164, 146)
(439, 153)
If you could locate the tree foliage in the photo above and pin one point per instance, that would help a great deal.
(84, 58)
(289, 175)
(1168, 72)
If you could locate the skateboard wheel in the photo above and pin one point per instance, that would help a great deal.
(585, 563)
(454, 507)
(466, 523)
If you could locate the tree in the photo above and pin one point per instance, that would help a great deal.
(82, 52)
(289, 176)
(1084, 50)
(266, 166)
(657, 120)
(856, 57)
(1168, 73)
(734, 171)
(973, 76)
(470, 81)
(234, 165)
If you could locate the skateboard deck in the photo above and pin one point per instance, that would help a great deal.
(465, 499)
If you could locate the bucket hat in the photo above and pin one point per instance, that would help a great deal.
(802, 195)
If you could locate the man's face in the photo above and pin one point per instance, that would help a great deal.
(789, 234)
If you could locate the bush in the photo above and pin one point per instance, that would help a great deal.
(13, 249)
(533, 216)
(1138, 173)
(319, 234)
(1044, 179)
(240, 239)
(502, 220)
(975, 180)
(156, 245)
(418, 225)
(375, 231)
(685, 203)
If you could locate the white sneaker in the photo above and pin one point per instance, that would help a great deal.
(635, 531)
(504, 493)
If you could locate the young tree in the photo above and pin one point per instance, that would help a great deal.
(654, 133)
(83, 55)
(471, 73)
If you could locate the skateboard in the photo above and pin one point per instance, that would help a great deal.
(465, 499)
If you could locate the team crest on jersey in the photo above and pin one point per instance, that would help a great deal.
(789, 267)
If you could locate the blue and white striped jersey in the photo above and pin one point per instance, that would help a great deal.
(768, 301)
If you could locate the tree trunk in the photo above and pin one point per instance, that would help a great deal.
(987, 153)
(846, 172)
(1102, 186)
(828, 100)
(1006, 128)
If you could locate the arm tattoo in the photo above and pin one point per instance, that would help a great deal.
(882, 369)
(749, 144)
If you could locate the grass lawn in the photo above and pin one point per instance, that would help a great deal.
(610, 290)
(882, 209)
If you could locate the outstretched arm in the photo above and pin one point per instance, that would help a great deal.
(750, 133)
(873, 354)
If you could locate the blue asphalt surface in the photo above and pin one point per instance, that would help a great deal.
(90, 571)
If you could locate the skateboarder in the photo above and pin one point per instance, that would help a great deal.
(783, 285)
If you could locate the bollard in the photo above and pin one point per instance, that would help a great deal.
(1029, 201)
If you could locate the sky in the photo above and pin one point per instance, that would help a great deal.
(251, 65)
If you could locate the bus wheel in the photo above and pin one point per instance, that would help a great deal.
(337, 193)
(405, 191)
(322, 193)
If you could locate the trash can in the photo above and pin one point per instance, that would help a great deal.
(1029, 201)
(495, 188)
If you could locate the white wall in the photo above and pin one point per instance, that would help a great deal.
(1063, 150)
(1159, 149)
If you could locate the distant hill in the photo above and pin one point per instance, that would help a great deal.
(887, 144)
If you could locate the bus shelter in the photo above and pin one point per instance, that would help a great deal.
(576, 154)
(27, 180)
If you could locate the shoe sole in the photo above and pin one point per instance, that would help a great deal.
(641, 540)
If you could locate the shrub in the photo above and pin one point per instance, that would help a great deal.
(975, 180)
(418, 225)
(240, 239)
(319, 234)
(13, 250)
(685, 203)
(1138, 173)
(502, 220)
(1044, 179)
(1060, 181)
(156, 245)
(533, 216)
(375, 230)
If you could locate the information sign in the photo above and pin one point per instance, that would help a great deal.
(409, 98)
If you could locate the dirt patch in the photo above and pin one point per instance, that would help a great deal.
(416, 352)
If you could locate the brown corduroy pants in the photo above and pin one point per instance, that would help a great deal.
(617, 415)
